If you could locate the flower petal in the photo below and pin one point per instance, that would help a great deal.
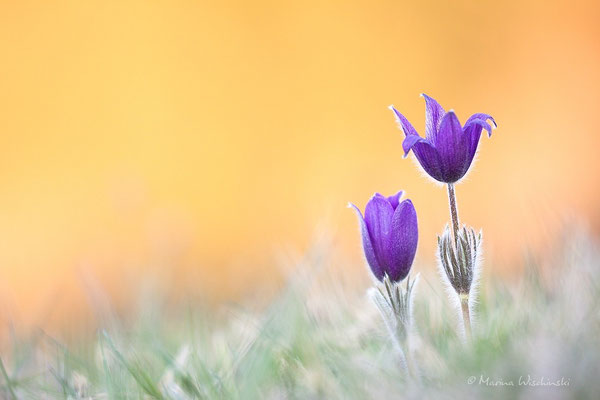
(472, 131)
(378, 217)
(430, 160)
(403, 241)
(409, 142)
(406, 126)
(377, 194)
(395, 199)
(453, 147)
(367, 244)
(481, 117)
(433, 117)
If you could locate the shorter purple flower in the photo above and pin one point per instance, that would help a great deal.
(448, 149)
(389, 234)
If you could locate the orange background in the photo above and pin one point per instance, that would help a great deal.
(197, 138)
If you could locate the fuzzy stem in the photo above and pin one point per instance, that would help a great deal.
(453, 210)
(405, 359)
(464, 298)
(464, 305)
(411, 368)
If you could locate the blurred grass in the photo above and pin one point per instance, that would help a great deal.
(322, 340)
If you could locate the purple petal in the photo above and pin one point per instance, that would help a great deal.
(433, 117)
(478, 122)
(430, 160)
(368, 245)
(403, 241)
(378, 218)
(406, 126)
(395, 199)
(453, 147)
(484, 118)
(379, 195)
(409, 142)
(472, 131)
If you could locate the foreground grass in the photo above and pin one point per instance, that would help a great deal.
(537, 336)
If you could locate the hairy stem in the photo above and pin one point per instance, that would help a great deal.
(464, 298)
(453, 210)
(464, 305)
(405, 354)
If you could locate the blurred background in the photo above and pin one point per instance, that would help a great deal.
(198, 140)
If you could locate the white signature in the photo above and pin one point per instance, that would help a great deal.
(524, 380)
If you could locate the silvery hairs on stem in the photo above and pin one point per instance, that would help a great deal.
(395, 304)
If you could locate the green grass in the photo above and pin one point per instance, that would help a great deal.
(321, 340)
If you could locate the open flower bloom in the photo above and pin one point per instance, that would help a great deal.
(389, 234)
(448, 149)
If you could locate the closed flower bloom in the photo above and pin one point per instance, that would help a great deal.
(448, 149)
(389, 234)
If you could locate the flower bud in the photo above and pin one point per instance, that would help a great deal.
(459, 257)
(390, 234)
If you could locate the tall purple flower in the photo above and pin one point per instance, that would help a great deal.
(448, 149)
(389, 234)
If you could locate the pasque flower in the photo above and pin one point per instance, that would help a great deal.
(389, 234)
(448, 149)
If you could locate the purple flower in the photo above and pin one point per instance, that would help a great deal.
(390, 234)
(448, 148)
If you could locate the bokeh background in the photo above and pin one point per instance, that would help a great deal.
(197, 140)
